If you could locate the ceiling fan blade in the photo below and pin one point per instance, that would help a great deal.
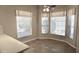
(52, 5)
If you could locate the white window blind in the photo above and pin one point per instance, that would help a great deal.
(45, 23)
(71, 23)
(58, 13)
(57, 22)
(24, 23)
(23, 13)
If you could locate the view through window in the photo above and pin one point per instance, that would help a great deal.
(45, 23)
(24, 24)
(57, 25)
(71, 26)
(71, 23)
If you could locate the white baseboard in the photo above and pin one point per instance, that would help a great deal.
(30, 40)
(43, 37)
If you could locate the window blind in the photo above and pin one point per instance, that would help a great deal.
(23, 13)
(71, 11)
(71, 22)
(58, 13)
(57, 22)
(24, 23)
(45, 22)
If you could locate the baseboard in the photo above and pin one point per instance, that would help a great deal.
(36, 38)
(43, 37)
(30, 40)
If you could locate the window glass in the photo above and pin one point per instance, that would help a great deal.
(44, 24)
(71, 26)
(71, 23)
(57, 25)
(24, 25)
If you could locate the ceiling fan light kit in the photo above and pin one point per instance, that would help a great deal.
(47, 8)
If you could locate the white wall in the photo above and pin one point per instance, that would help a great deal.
(8, 19)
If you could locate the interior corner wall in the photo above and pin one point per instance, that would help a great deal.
(8, 19)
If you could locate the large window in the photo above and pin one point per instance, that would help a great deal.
(24, 23)
(45, 23)
(57, 23)
(71, 23)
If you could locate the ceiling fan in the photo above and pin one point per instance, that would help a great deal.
(51, 6)
(47, 8)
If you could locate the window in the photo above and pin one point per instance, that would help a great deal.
(71, 22)
(45, 23)
(71, 18)
(24, 23)
(57, 23)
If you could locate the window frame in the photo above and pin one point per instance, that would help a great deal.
(48, 23)
(55, 33)
(72, 12)
(65, 15)
(17, 15)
